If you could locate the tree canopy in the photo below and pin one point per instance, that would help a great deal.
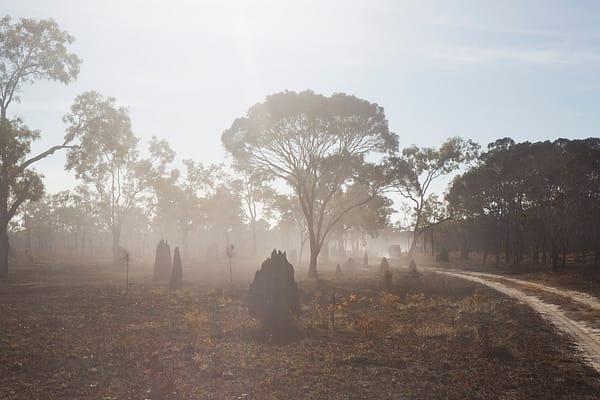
(107, 155)
(537, 198)
(416, 168)
(317, 145)
(30, 50)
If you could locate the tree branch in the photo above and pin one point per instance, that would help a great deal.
(45, 154)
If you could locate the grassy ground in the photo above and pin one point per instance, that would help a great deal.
(74, 334)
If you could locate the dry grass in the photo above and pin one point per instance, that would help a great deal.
(429, 337)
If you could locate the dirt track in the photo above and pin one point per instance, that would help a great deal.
(587, 339)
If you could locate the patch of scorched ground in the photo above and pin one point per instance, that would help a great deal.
(433, 337)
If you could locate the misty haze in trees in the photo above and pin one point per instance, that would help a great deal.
(106, 156)
(318, 146)
(415, 170)
(311, 174)
(30, 50)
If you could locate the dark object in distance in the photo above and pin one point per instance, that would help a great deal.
(338, 271)
(177, 273)
(443, 255)
(162, 261)
(384, 265)
(412, 266)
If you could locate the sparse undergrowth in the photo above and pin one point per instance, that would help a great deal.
(430, 337)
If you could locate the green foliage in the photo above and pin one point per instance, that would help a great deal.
(23, 183)
(107, 144)
(33, 50)
(30, 50)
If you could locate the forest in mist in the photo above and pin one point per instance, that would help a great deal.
(312, 174)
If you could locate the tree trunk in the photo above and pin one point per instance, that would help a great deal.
(485, 255)
(507, 245)
(463, 250)
(302, 242)
(312, 266)
(83, 239)
(544, 251)
(116, 237)
(254, 249)
(28, 249)
(325, 249)
(184, 241)
(412, 247)
(554, 258)
(432, 241)
(4, 249)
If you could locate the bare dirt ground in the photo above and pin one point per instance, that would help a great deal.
(70, 332)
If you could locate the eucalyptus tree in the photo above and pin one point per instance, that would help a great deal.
(317, 145)
(257, 199)
(196, 184)
(30, 51)
(416, 168)
(107, 157)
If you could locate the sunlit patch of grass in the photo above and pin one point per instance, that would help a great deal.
(198, 324)
(435, 329)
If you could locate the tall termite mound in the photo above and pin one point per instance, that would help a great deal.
(387, 274)
(176, 273)
(273, 296)
(162, 261)
(384, 266)
(338, 271)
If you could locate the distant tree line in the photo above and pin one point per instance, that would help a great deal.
(531, 202)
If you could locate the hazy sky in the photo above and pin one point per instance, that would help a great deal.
(187, 69)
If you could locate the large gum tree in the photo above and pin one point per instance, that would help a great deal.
(318, 146)
(30, 50)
